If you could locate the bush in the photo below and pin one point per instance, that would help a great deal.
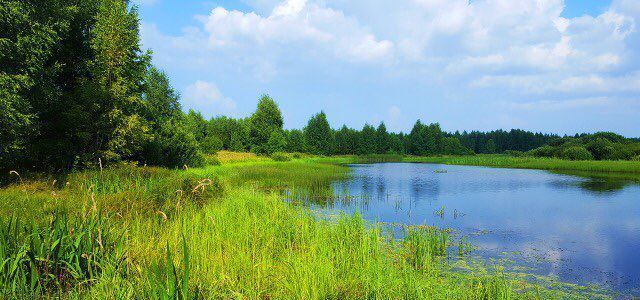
(280, 156)
(514, 153)
(173, 146)
(544, 151)
(576, 153)
(277, 142)
(636, 158)
(211, 144)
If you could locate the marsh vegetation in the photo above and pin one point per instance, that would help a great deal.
(222, 232)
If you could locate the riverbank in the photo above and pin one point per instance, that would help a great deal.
(549, 164)
(224, 231)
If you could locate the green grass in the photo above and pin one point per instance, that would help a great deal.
(550, 164)
(225, 232)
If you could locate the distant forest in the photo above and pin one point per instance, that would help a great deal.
(77, 90)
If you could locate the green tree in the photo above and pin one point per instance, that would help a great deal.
(318, 135)
(346, 140)
(264, 121)
(211, 144)
(29, 34)
(161, 100)
(416, 139)
(382, 139)
(451, 145)
(276, 143)
(196, 123)
(172, 143)
(576, 153)
(295, 141)
(490, 147)
(118, 68)
(396, 144)
(367, 140)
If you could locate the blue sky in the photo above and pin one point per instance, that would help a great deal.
(551, 66)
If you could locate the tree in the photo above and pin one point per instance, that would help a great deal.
(577, 153)
(118, 68)
(318, 135)
(382, 139)
(432, 137)
(451, 145)
(490, 147)
(174, 146)
(196, 123)
(396, 144)
(172, 143)
(161, 100)
(346, 141)
(416, 139)
(367, 140)
(211, 144)
(276, 143)
(264, 121)
(295, 141)
(30, 32)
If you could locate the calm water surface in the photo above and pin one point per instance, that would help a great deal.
(576, 229)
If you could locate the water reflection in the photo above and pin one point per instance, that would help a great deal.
(583, 230)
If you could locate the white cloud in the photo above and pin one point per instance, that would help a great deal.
(298, 22)
(396, 121)
(546, 83)
(207, 98)
(553, 105)
(522, 49)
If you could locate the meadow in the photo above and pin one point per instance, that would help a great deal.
(227, 231)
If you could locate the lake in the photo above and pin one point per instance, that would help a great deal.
(576, 229)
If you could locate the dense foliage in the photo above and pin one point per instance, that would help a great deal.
(499, 141)
(76, 89)
(597, 146)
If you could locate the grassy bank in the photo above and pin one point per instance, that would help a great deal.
(223, 232)
(550, 164)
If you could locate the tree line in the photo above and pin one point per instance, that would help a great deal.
(77, 90)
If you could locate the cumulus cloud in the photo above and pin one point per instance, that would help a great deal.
(207, 98)
(296, 22)
(526, 48)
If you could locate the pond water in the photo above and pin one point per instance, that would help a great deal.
(575, 229)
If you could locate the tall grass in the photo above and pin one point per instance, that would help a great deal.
(221, 232)
(59, 257)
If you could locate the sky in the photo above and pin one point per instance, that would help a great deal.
(557, 66)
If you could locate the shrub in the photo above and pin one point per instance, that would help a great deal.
(211, 144)
(636, 158)
(544, 151)
(173, 146)
(280, 156)
(277, 142)
(514, 153)
(576, 153)
(211, 160)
